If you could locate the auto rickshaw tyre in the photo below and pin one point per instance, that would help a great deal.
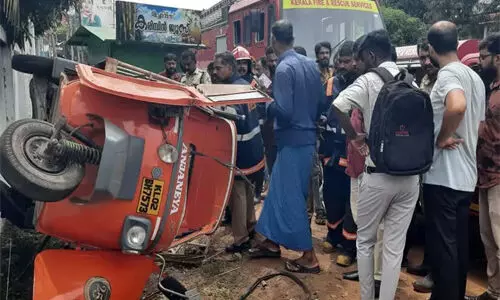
(32, 64)
(27, 178)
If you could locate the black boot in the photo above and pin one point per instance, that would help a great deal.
(420, 270)
(352, 276)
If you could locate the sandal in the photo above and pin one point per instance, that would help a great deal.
(295, 267)
(262, 252)
(238, 248)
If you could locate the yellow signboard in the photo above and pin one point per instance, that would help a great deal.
(359, 5)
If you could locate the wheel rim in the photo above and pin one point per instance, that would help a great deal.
(34, 149)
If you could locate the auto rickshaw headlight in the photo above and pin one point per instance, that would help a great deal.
(136, 236)
(168, 153)
(135, 233)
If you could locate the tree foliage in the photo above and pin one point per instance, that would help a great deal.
(15, 17)
(414, 8)
(403, 29)
(466, 14)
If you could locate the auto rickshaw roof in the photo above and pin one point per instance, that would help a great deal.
(167, 93)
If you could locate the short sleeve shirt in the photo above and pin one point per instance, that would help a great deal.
(197, 77)
(363, 94)
(456, 169)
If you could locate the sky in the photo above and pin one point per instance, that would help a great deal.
(188, 4)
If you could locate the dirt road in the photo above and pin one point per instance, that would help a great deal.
(229, 277)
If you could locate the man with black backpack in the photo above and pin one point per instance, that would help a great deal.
(398, 120)
(458, 101)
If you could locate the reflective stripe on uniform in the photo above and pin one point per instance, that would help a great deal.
(334, 225)
(248, 136)
(329, 87)
(349, 236)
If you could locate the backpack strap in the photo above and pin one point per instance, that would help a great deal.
(405, 76)
(383, 73)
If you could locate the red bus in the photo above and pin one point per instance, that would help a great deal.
(247, 23)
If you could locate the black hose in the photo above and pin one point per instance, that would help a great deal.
(267, 277)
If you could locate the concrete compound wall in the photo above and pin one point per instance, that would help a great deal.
(15, 101)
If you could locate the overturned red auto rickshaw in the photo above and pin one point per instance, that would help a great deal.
(125, 169)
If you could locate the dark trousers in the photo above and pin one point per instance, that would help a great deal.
(259, 182)
(336, 196)
(270, 151)
(447, 240)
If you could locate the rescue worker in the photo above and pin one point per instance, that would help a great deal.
(170, 62)
(249, 158)
(323, 52)
(314, 203)
(336, 185)
(244, 63)
(193, 76)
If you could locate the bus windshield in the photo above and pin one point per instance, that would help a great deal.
(330, 20)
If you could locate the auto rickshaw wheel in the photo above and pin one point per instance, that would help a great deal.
(25, 165)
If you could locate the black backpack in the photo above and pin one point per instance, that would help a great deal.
(401, 137)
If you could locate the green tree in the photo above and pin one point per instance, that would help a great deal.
(403, 29)
(414, 8)
(15, 17)
(466, 14)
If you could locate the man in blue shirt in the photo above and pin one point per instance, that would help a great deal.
(298, 98)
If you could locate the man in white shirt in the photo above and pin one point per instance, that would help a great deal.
(458, 101)
(382, 197)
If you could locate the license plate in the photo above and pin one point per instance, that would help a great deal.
(150, 197)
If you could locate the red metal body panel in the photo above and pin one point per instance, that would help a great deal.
(256, 48)
(190, 193)
(65, 274)
(100, 224)
(237, 12)
(205, 56)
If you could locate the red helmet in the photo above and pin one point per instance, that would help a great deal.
(241, 53)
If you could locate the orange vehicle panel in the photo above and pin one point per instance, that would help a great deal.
(165, 93)
(207, 184)
(69, 274)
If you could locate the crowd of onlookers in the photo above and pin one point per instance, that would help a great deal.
(347, 136)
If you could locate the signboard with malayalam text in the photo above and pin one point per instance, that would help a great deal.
(358, 5)
(157, 24)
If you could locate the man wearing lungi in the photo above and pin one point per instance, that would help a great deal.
(298, 100)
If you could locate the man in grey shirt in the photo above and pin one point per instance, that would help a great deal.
(458, 101)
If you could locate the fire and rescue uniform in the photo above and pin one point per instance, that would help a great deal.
(250, 161)
(336, 183)
(242, 54)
